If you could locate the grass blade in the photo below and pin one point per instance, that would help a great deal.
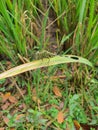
(44, 63)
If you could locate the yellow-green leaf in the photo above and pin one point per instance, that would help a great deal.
(43, 63)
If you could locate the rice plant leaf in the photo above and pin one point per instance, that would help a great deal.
(44, 63)
(82, 10)
(91, 17)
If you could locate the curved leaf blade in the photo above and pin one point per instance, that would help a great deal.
(43, 63)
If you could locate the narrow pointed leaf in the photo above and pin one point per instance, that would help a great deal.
(43, 63)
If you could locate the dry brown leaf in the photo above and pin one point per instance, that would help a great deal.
(12, 129)
(2, 128)
(6, 96)
(5, 106)
(76, 124)
(19, 116)
(35, 99)
(12, 99)
(6, 120)
(60, 117)
(9, 97)
(56, 91)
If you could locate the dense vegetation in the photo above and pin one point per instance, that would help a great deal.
(62, 96)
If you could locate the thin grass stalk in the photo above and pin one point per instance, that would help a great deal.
(91, 17)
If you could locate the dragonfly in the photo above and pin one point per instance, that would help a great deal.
(44, 54)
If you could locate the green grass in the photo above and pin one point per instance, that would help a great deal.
(23, 35)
